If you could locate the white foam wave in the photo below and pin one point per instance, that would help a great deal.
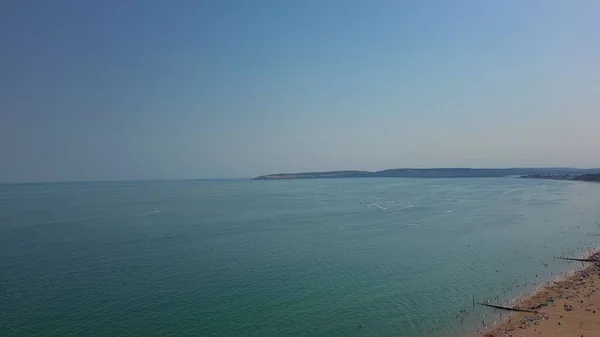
(378, 206)
(405, 207)
(149, 213)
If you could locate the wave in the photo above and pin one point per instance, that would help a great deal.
(405, 207)
(378, 206)
(411, 225)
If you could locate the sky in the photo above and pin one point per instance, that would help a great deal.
(153, 89)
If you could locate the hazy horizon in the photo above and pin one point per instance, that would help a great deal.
(290, 172)
(145, 90)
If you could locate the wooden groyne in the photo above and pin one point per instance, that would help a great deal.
(580, 260)
(506, 308)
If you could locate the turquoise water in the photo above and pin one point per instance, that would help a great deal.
(280, 258)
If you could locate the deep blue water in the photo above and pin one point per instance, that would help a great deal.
(280, 258)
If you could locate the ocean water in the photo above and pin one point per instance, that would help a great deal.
(400, 257)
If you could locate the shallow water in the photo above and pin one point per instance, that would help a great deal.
(274, 258)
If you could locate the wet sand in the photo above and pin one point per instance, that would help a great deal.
(566, 308)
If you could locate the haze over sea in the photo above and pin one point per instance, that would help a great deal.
(280, 258)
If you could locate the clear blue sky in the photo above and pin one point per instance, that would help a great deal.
(102, 90)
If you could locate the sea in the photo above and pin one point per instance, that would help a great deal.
(322, 257)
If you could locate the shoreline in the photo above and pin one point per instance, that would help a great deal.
(567, 306)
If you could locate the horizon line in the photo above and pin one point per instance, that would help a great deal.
(305, 172)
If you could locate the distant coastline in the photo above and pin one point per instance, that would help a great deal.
(591, 177)
(566, 173)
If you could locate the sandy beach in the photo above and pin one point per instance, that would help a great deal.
(566, 308)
